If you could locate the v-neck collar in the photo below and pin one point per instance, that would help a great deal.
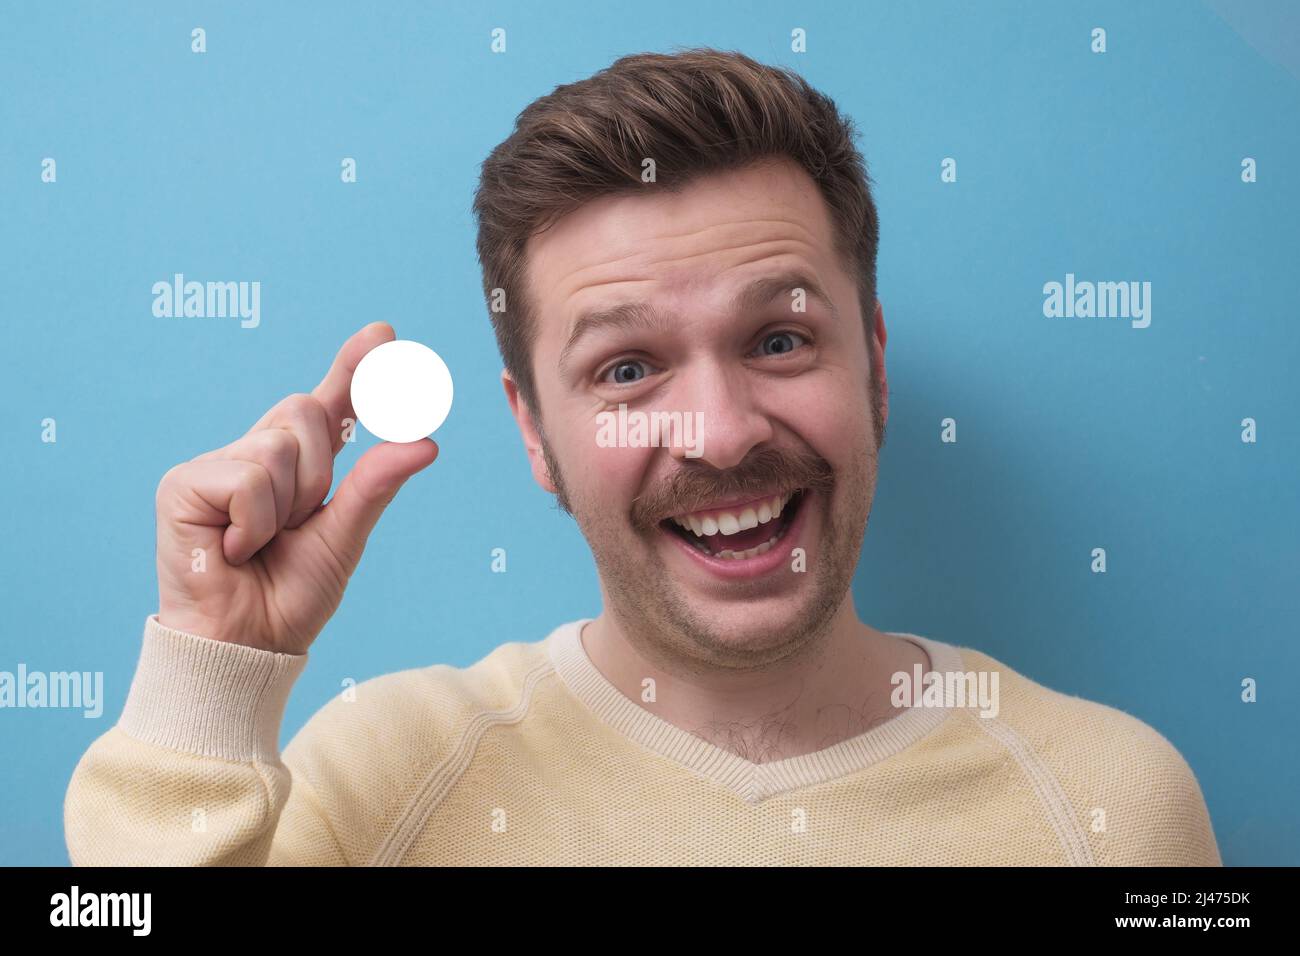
(752, 782)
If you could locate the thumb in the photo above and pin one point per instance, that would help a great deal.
(347, 519)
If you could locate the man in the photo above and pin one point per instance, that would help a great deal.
(689, 236)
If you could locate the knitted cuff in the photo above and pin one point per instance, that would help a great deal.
(210, 698)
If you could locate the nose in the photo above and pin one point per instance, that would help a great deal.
(732, 420)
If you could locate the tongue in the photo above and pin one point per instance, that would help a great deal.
(741, 540)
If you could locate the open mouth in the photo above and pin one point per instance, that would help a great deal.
(740, 532)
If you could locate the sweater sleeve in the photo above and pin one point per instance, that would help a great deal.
(191, 774)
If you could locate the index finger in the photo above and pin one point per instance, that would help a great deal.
(335, 389)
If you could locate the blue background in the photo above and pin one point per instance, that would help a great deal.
(1073, 433)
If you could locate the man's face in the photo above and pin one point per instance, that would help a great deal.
(781, 385)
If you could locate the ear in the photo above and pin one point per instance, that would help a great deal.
(879, 336)
(529, 432)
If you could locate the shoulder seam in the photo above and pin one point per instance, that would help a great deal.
(1048, 789)
(441, 778)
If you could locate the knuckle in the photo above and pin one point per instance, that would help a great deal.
(167, 482)
(318, 483)
(278, 444)
(252, 480)
(303, 407)
(297, 404)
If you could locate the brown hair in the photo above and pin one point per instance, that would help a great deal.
(693, 112)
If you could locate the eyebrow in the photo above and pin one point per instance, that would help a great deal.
(638, 315)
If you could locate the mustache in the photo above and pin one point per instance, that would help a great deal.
(693, 486)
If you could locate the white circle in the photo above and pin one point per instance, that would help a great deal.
(401, 391)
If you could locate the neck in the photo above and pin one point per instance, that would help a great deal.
(836, 686)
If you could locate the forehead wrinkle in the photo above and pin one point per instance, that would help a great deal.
(752, 248)
(811, 241)
(744, 222)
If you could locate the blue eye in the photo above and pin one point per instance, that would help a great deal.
(779, 343)
(626, 372)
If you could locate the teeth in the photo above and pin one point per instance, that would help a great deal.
(731, 522)
(749, 553)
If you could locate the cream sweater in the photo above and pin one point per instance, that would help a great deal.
(531, 756)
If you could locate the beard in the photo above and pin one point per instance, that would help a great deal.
(652, 609)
